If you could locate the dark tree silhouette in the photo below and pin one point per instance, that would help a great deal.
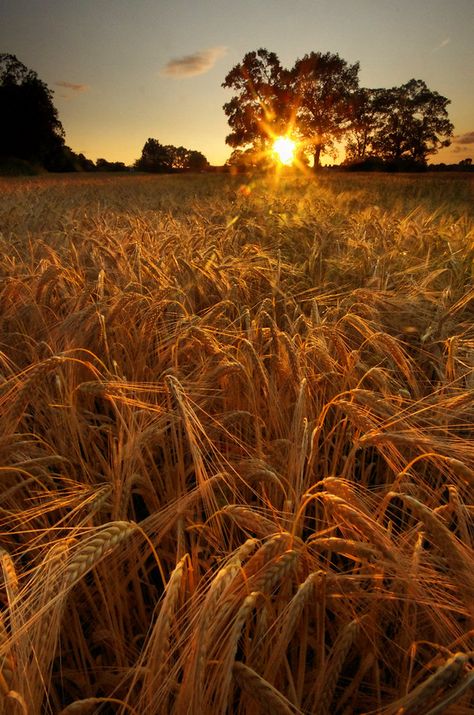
(312, 100)
(320, 103)
(104, 165)
(365, 117)
(324, 88)
(155, 157)
(401, 124)
(243, 160)
(160, 158)
(29, 124)
(196, 161)
(412, 122)
(183, 159)
(260, 107)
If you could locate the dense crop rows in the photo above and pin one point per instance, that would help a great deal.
(237, 445)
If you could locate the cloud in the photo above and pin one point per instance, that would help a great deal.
(467, 138)
(442, 44)
(74, 87)
(192, 65)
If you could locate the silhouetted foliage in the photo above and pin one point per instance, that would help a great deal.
(376, 163)
(83, 163)
(406, 123)
(311, 101)
(260, 108)
(155, 157)
(365, 115)
(245, 160)
(465, 165)
(29, 124)
(319, 102)
(104, 165)
(324, 88)
(159, 158)
(196, 161)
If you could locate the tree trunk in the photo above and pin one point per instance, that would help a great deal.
(317, 158)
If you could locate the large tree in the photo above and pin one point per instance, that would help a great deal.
(312, 100)
(260, 108)
(403, 123)
(411, 122)
(29, 124)
(324, 88)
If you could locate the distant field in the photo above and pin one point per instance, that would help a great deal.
(237, 445)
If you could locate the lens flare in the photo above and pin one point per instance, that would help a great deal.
(284, 148)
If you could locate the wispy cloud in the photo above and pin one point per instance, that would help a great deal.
(467, 138)
(192, 65)
(72, 86)
(442, 44)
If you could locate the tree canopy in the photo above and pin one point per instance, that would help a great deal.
(401, 124)
(318, 101)
(312, 100)
(29, 124)
(324, 87)
(260, 107)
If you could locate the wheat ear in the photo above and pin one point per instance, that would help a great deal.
(453, 695)
(158, 644)
(445, 675)
(269, 698)
(445, 541)
(341, 648)
(251, 520)
(234, 636)
(304, 594)
(94, 548)
(9, 576)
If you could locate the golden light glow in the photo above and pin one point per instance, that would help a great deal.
(284, 148)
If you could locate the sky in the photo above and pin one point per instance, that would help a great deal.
(126, 70)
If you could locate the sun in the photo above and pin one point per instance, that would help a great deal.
(284, 148)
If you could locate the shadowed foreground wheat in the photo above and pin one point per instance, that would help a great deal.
(237, 454)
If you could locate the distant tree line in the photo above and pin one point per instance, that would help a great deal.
(462, 165)
(32, 138)
(319, 103)
(166, 158)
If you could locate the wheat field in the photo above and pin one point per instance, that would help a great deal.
(237, 445)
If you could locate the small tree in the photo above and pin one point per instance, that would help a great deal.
(248, 160)
(155, 157)
(167, 158)
(196, 161)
